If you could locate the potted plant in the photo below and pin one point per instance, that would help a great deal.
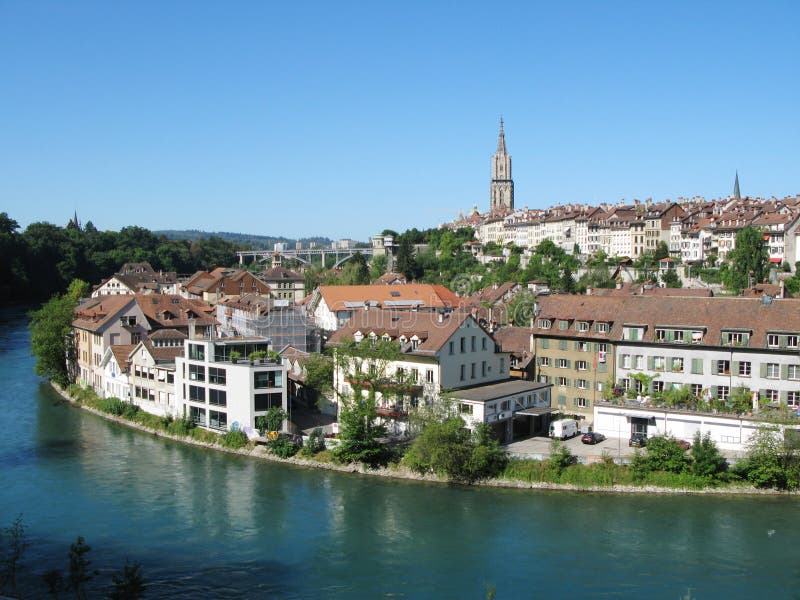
(257, 355)
(235, 356)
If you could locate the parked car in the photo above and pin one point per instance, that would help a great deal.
(684, 444)
(592, 437)
(638, 440)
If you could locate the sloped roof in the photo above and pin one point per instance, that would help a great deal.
(121, 353)
(432, 333)
(168, 334)
(95, 313)
(423, 294)
(280, 274)
(172, 310)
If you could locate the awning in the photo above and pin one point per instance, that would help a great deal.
(536, 411)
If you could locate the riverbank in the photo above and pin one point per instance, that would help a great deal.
(401, 472)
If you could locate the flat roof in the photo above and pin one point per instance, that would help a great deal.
(493, 391)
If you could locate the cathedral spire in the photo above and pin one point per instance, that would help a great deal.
(736, 193)
(501, 139)
(501, 188)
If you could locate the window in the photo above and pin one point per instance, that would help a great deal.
(414, 375)
(197, 393)
(771, 395)
(197, 352)
(544, 323)
(582, 384)
(197, 415)
(197, 373)
(216, 375)
(483, 343)
(638, 362)
(744, 369)
(601, 327)
(462, 342)
(658, 363)
(544, 361)
(451, 346)
(626, 361)
(791, 341)
(562, 363)
(562, 381)
(217, 420)
(429, 376)
(678, 335)
(773, 371)
(483, 368)
(697, 389)
(658, 386)
(602, 347)
(677, 365)
(793, 372)
(582, 326)
(793, 398)
(581, 365)
(583, 346)
(170, 377)
(735, 338)
(465, 409)
(723, 367)
(723, 392)
(267, 379)
(773, 341)
(543, 379)
(563, 325)
(264, 402)
(502, 366)
(661, 335)
(632, 333)
(463, 374)
(472, 345)
(472, 371)
(581, 402)
(505, 405)
(217, 397)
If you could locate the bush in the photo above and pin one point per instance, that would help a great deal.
(707, 461)
(664, 454)
(560, 457)
(316, 441)
(234, 440)
(283, 447)
(182, 426)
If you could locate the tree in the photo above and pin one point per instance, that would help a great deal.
(707, 460)
(79, 574)
(406, 264)
(51, 342)
(662, 251)
(521, 309)
(318, 374)
(670, 279)
(665, 454)
(14, 549)
(377, 266)
(567, 280)
(129, 584)
(749, 259)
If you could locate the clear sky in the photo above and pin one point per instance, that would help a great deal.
(342, 118)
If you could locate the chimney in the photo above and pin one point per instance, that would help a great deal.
(192, 333)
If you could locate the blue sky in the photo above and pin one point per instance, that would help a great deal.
(343, 118)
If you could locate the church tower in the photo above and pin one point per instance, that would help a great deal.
(501, 190)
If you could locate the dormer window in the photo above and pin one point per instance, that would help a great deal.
(544, 323)
(601, 327)
(582, 326)
(563, 325)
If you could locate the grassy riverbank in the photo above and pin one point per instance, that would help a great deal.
(560, 472)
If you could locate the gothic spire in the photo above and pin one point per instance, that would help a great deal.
(736, 193)
(501, 139)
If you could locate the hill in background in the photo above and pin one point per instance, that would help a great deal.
(253, 241)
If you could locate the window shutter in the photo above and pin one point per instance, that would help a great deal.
(569, 364)
(763, 369)
(577, 345)
(650, 362)
(566, 381)
(596, 347)
(735, 367)
(783, 396)
(714, 393)
(601, 368)
(545, 344)
(784, 371)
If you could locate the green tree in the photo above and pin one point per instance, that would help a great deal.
(51, 335)
(128, 584)
(748, 259)
(567, 280)
(15, 544)
(670, 279)
(707, 460)
(79, 567)
(665, 454)
(662, 251)
(318, 375)
(377, 266)
(406, 263)
(521, 308)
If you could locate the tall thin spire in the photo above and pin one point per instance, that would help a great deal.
(736, 193)
(501, 139)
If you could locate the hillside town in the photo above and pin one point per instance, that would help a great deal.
(637, 358)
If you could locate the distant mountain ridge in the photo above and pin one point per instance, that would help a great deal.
(244, 239)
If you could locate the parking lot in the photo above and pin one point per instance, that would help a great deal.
(539, 448)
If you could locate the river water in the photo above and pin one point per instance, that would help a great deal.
(208, 525)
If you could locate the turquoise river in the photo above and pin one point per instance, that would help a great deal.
(209, 525)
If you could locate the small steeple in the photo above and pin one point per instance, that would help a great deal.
(736, 193)
(501, 139)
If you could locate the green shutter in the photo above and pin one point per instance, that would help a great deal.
(577, 345)
(714, 391)
(562, 344)
(596, 347)
(569, 364)
(601, 368)
(763, 369)
(545, 344)
(650, 363)
(784, 371)
(697, 366)
(783, 396)
(562, 400)
(735, 367)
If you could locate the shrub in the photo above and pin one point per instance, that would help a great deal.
(182, 426)
(316, 441)
(707, 461)
(560, 457)
(234, 439)
(283, 447)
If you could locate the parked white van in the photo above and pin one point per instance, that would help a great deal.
(563, 429)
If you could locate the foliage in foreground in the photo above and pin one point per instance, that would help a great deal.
(449, 450)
